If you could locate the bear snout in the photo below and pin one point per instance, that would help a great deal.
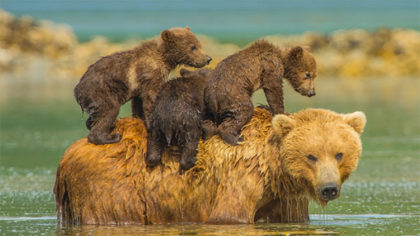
(208, 59)
(311, 93)
(329, 191)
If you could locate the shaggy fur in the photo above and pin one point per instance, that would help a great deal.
(268, 177)
(178, 117)
(135, 75)
(261, 65)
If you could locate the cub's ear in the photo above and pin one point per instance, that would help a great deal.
(187, 28)
(283, 124)
(357, 120)
(296, 52)
(306, 48)
(167, 35)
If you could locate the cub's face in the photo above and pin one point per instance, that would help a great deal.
(184, 47)
(320, 149)
(301, 70)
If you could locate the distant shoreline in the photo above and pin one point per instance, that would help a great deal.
(45, 49)
(238, 22)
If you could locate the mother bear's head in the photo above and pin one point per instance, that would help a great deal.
(318, 149)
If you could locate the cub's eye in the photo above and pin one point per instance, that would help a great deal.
(193, 47)
(308, 75)
(339, 156)
(312, 158)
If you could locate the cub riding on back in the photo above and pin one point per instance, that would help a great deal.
(135, 75)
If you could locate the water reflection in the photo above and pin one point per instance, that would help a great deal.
(331, 224)
(199, 229)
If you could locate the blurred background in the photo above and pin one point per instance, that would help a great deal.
(368, 55)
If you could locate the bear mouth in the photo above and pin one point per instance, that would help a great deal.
(303, 92)
(327, 192)
(197, 65)
(321, 198)
(323, 203)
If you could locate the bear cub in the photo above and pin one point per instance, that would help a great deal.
(177, 118)
(260, 65)
(135, 75)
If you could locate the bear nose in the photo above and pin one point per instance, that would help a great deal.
(329, 191)
(311, 93)
(208, 59)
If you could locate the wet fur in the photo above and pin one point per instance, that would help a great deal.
(267, 177)
(177, 118)
(236, 78)
(136, 75)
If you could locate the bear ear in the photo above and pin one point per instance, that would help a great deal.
(296, 52)
(187, 28)
(167, 35)
(357, 120)
(283, 124)
(306, 48)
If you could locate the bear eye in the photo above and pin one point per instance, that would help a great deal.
(308, 75)
(193, 47)
(312, 158)
(339, 156)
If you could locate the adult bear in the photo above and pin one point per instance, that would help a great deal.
(281, 163)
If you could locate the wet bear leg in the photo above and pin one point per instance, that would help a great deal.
(155, 147)
(230, 128)
(137, 108)
(189, 152)
(148, 106)
(102, 126)
(209, 128)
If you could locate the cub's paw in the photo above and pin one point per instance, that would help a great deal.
(266, 107)
(104, 139)
(187, 164)
(152, 161)
(209, 129)
(115, 138)
(231, 139)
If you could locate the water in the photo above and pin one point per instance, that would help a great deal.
(336, 224)
(39, 121)
(234, 21)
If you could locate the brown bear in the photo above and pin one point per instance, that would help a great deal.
(260, 65)
(283, 162)
(136, 75)
(177, 118)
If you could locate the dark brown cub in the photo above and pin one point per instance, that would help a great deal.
(177, 118)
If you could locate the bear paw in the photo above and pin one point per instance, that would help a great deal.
(104, 139)
(231, 139)
(152, 161)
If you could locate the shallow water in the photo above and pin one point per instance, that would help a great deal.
(332, 224)
(381, 197)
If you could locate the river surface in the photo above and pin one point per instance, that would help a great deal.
(382, 197)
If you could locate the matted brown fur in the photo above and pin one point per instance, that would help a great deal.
(136, 75)
(260, 65)
(266, 177)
